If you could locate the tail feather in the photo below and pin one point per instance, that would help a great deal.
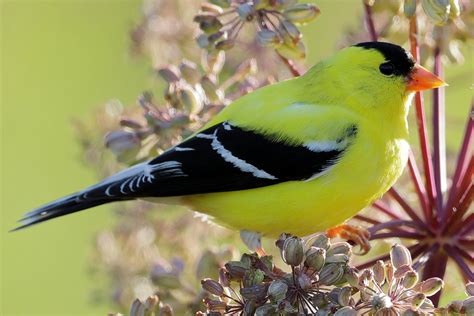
(67, 205)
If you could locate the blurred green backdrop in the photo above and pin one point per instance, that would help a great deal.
(61, 59)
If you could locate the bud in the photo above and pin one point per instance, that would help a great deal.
(331, 274)
(255, 292)
(215, 305)
(291, 33)
(277, 290)
(401, 271)
(437, 10)
(190, 100)
(268, 38)
(206, 16)
(418, 300)
(340, 248)
(366, 277)
(236, 269)
(389, 272)
(344, 296)
(221, 3)
(301, 13)
(346, 311)
(137, 308)
(410, 279)
(123, 144)
(399, 256)
(152, 303)
(213, 93)
(315, 258)
(379, 272)
(245, 12)
(292, 252)
(210, 26)
(213, 61)
(211, 8)
(304, 281)
(468, 305)
(224, 277)
(352, 277)
(409, 8)
(212, 287)
(296, 51)
(189, 71)
(169, 73)
(430, 287)
(225, 44)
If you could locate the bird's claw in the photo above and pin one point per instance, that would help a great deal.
(359, 235)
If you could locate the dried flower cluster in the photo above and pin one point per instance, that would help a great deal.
(275, 20)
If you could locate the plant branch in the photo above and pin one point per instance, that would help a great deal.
(369, 20)
(291, 66)
(419, 187)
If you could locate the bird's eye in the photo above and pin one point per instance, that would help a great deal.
(387, 69)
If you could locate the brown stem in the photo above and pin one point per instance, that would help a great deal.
(369, 20)
(291, 66)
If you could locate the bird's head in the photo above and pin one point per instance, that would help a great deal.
(376, 77)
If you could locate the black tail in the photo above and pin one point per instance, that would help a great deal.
(67, 205)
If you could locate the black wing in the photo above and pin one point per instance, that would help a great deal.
(222, 158)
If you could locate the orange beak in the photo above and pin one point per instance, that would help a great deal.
(422, 79)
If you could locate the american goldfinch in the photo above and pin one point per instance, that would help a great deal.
(299, 156)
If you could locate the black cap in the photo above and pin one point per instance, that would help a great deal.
(399, 57)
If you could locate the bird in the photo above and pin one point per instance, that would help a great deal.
(300, 156)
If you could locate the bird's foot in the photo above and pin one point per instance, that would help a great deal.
(253, 240)
(359, 235)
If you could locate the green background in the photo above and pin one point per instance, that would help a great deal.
(61, 60)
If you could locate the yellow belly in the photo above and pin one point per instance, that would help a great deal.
(367, 170)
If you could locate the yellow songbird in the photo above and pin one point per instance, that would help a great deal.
(299, 156)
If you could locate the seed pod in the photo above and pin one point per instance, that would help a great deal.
(379, 272)
(212, 91)
(245, 12)
(340, 248)
(236, 269)
(189, 71)
(253, 277)
(399, 256)
(224, 277)
(292, 252)
(211, 8)
(366, 277)
(315, 258)
(331, 274)
(249, 308)
(215, 305)
(389, 272)
(468, 305)
(418, 300)
(169, 73)
(210, 26)
(344, 296)
(225, 44)
(304, 281)
(268, 38)
(255, 292)
(296, 51)
(190, 100)
(221, 3)
(137, 308)
(410, 279)
(470, 289)
(301, 13)
(205, 16)
(166, 310)
(409, 8)
(247, 67)
(203, 41)
(277, 290)
(319, 241)
(346, 311)
(352, 277)
(212, 287)
(290, 32)
(265, 310)
(401, 271)
(337, 258)
(213, 61)
(430, 287)
(436, 10)
(152, 303)
(124, 145)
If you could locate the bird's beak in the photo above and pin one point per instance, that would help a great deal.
(422, 79)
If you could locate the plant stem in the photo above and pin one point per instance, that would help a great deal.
(435, 267)
(421, 121)
(291, 66)
(419, 187)
(369, 20)
(385, 209)
(439, 138)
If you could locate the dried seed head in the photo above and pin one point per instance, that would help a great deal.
(430, 286)
(277, 290)
(345, 311)
(436, 10)
(331, 274)
(301, 13)
(410, 279)
(379, 272)
(268, 38)
(400, 256)
(315, 258)
(212, 287)
(409, 8)
(292, 252)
